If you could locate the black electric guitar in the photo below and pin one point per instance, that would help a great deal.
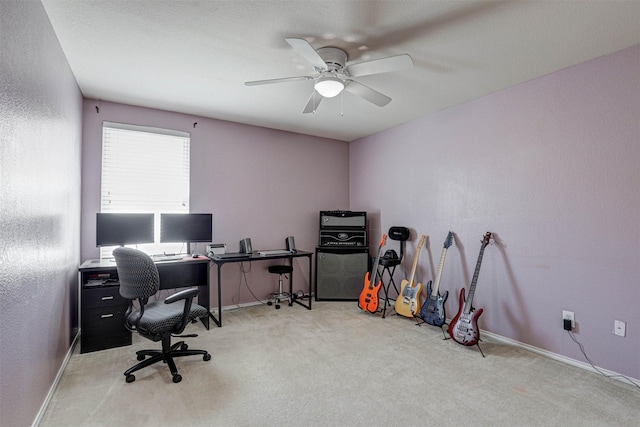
(432, 311)
(464, 327)
(368, 300)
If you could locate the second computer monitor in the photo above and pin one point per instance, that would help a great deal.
(191, 227)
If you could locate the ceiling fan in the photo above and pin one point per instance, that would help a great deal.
(334, 75)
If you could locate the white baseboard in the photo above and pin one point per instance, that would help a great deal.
(561, 358)
(56, 381)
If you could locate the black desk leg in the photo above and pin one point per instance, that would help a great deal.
(218, 321)
(295, 297)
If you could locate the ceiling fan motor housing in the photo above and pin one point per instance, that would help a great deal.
(334, 58)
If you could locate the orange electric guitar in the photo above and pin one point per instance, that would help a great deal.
(369, 296)
(408, 302)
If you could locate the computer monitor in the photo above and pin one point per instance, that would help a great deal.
(121, 229)
(191, 227)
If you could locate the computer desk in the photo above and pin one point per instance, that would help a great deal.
(219, 261)
(102, 308)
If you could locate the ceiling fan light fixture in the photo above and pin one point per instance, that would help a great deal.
(328, 86)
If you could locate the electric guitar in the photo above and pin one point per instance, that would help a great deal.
(368, 300)
(464, 327)
(432, 311)
(408, 302)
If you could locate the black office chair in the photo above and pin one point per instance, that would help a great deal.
(280, 296)
(391, 260)
(159, 320)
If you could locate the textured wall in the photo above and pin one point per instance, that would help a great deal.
(551, 167)
(40, 127)
(258, 183)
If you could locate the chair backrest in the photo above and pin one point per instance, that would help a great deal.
(137, 273)
(401, 234)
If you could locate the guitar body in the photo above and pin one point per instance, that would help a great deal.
(408, 302)
(432, 311)
(464, 327)
(368, 300)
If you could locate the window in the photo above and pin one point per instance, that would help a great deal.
(144, 170)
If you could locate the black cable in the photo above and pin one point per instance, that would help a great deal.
(247, 285)
(594, 366)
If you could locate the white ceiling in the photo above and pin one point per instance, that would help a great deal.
(194, 56)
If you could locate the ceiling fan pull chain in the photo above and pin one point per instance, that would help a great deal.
(342, 104)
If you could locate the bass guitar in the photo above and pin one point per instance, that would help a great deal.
(408, 302)
(464, 327)
(368, 300)
(432, 311)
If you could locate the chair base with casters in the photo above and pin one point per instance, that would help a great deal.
(280, 295)
(158, 320)
(167, 354)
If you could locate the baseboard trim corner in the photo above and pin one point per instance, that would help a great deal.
(56, 381)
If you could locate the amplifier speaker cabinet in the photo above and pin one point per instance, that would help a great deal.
(340, 273)
(343, 219)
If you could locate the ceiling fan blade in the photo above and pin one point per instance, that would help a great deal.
(282, 80)
(383, 65)
(307, 52)
(313, 103)
(365, 92)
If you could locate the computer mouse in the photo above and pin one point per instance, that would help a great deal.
(194, 256)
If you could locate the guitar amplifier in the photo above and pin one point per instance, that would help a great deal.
(340, 273)
(342, 238)
(343, 219)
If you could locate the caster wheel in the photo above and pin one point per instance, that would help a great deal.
(177, 378)
(277, 306)
(140, 357)
(269, 303)
(130, 378)
(183, 347)
(206, 357)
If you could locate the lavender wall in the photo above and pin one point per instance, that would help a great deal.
(550, 167)
(40, 127)
(258, 183)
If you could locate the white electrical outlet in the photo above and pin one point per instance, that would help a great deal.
(619, 328)
(568, 315)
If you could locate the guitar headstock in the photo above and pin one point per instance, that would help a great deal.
(382, 240)
(486, 239)
(448, 240)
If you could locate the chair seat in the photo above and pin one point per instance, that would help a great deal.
(280, 269)
(159, 317)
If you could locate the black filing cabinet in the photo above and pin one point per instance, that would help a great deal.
(102, 311)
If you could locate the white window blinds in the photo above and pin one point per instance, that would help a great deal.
(144, 170)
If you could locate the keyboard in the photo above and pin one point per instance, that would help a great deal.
(230, 255)
(274, 252)
(166, 258)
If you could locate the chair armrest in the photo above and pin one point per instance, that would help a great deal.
(187, 293)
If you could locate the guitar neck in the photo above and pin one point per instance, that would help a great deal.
(472, 288)
(415, 259)
(436, 283)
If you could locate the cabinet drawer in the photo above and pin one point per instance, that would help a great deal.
(103, 328)
(102, 297)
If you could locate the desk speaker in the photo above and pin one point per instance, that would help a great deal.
(340, 273)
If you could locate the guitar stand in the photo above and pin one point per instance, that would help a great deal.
(477, 344)
(385, 286)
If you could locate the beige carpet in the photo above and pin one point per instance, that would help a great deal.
(336, 366)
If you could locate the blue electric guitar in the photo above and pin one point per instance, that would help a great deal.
(432, 311)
